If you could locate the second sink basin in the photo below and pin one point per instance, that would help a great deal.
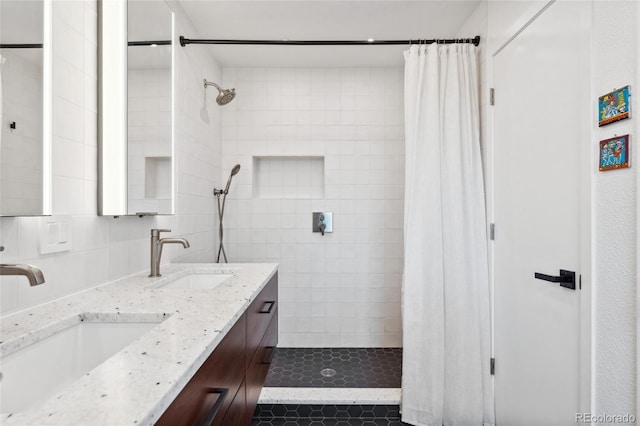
(198, 281)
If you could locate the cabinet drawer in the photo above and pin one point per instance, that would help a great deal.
(259, 315)
(257, 372)
(223, 370)
(236, 415)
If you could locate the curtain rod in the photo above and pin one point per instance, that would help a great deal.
(150, 43)
(21, 46)
(476, 41)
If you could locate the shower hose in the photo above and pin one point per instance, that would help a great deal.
(220, 229)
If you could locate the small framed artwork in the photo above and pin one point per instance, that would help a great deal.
(614, 106)
(614, 153)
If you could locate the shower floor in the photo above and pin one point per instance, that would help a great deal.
(352, 368)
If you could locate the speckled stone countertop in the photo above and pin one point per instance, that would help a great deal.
(136, 385)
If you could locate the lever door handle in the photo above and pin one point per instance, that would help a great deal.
(566, 279)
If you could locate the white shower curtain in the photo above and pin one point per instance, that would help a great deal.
(446, 319)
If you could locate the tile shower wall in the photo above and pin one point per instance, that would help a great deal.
(105, 248)
(342, 289)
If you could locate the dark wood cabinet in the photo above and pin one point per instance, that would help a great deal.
(259, 367)
(237, 412)
(259, 315)
(226, 388)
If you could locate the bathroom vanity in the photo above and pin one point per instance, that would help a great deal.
(200, 340)
(226, 388)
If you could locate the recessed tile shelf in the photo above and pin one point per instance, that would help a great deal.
(157, 183)
(300, 177)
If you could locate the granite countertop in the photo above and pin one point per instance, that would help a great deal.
(137, 384)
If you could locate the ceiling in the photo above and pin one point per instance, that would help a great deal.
(321, 20)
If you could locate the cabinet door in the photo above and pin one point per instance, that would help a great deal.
(212, 388)
(259, 315)
(257, 372)
(236, 415)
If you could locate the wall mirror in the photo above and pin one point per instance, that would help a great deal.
(137, 127)
(25, 107)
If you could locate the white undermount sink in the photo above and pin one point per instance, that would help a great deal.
(36, 372)
(198, 281)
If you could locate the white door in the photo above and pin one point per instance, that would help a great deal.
(540, 128)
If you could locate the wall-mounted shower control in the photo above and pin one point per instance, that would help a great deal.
(322, 222)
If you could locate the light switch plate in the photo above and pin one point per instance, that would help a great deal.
(55, 234)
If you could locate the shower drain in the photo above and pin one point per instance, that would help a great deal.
(328, 372)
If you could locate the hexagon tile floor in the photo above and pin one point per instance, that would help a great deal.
(326, 415)
(352, 368)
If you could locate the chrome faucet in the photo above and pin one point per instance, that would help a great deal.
(156, 248)
(33, 273)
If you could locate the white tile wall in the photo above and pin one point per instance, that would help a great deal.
(106, 248)
(342, 289)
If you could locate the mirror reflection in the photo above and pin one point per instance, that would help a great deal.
(24, 108)
(150, 100)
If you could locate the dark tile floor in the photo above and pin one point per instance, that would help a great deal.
(354, 367)
(333, 415)
(328, 422)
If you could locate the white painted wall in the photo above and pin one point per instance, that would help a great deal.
(636, 157)
(342, 289)
(614, 64)
(105, 248)
(615, 46)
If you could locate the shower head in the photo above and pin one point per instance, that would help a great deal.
(234, 172)
(224, 95)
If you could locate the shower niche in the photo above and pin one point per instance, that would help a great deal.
(288, 177)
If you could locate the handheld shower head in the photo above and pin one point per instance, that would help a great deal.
(234, 172)
(224, 95)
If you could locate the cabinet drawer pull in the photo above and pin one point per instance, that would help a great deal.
(216, 407)
(271, 350)
(271, 304)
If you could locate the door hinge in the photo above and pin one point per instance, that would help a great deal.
(580, 282)
(492, 231)
(492, 96)
(493, 366)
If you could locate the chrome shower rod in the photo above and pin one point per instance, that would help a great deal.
(475, 41)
